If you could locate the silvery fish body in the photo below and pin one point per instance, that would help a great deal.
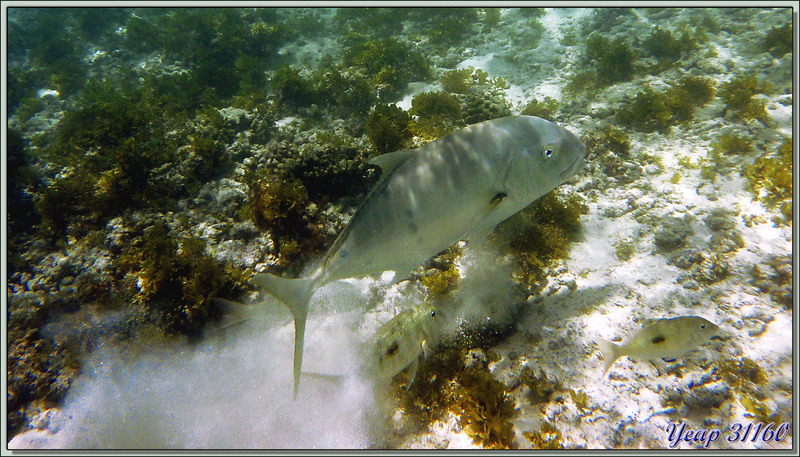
(665, 339)
(457, 187)
(400, 342)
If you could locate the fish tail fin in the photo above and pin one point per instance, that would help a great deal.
(610, 351)
(296, 295)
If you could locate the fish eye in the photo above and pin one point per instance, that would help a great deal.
(548, 152)
(702, 326)
(433, 313)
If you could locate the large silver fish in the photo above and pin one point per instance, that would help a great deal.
(457, 187)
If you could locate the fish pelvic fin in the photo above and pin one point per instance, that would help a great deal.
(611, 352)
(413, 375)
(296, 295)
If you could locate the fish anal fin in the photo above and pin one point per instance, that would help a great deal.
(478, 236)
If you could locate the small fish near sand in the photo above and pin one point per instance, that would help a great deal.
(458, 187)
(665, 339)
(400, 342)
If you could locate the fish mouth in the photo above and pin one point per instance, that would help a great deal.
(577, 165)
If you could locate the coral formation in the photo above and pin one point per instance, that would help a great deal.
(480, 107)
(672, 234)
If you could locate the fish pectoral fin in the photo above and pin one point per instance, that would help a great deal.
(482, 227)
(388, 162)
(426, 350)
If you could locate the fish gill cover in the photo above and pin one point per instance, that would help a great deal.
(158, 158)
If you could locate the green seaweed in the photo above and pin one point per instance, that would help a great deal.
(738, 97)
(489, 18)
(388, 64)
(541, 233)
(178, 280)
(608, 139)
(228, 48)
(293, 88)
(612, 60)
(582, 82)
(330, 86)
(447, 26)
(668, 47)
(376, 22)
(435, 115)
(466, 80)
(486, 409)
(114, 150)
(731, 143)
(769, 178)
(443, 276)
(542, 390)
(436, 104)
(778, 282)
(281, 207)
(778, 40)
(624, 249)
(457, 81)
(456, 379)
(545, 109)
(744, 376)
(659, 111)
(547, 437)
(388, 128)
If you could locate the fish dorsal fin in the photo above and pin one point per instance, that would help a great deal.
(388, 162)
